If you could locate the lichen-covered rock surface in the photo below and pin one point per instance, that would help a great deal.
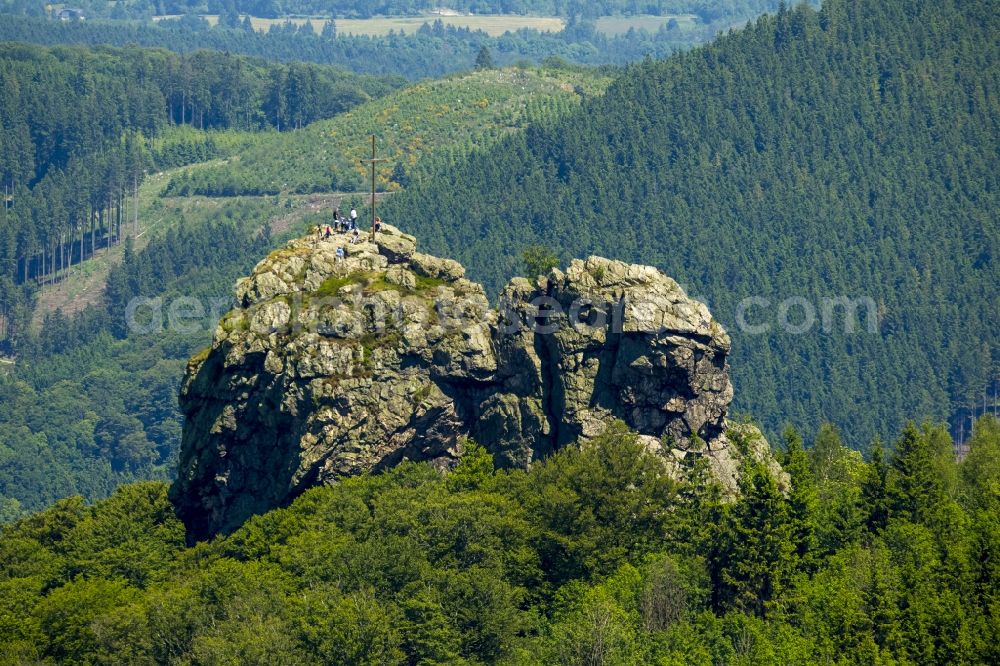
(334, 366)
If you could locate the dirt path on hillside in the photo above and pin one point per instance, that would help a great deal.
(84, 284)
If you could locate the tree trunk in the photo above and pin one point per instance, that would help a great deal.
(135, 224)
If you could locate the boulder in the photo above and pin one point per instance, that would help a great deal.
(433, 267)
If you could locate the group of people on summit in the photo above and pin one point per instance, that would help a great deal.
(343, 225)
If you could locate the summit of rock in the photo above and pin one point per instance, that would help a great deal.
(333, 366)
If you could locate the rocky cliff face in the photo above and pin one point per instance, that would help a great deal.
(335, 366)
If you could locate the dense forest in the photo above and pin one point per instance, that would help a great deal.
(594, 556)
(847, 153)
(75, 132)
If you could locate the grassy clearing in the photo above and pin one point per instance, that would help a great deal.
(440, 118)
(619, 25)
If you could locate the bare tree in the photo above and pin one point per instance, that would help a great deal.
(665, 600)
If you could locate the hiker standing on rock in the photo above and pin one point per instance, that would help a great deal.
(354, 218)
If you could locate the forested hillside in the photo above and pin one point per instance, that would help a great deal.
(848, 152)
(813, 162)
(445, 118)
(88, 405)
(594, 556)
(75, 131)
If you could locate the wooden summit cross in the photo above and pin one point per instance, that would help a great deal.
(372, 161)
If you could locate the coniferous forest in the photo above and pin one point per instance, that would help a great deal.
(847, 153)
(88, 406)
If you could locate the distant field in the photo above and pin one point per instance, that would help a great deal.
(493, 25)
(619, 25)
(379, 26)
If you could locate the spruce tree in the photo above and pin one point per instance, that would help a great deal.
(802, 499)
(874, 489)
(915, 488)
(754, 556)
(484, 59)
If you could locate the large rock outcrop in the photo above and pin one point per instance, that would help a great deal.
(333, 366)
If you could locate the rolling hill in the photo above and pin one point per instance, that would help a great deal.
(449, 116)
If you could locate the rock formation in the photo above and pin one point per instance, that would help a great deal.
(334, 366)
